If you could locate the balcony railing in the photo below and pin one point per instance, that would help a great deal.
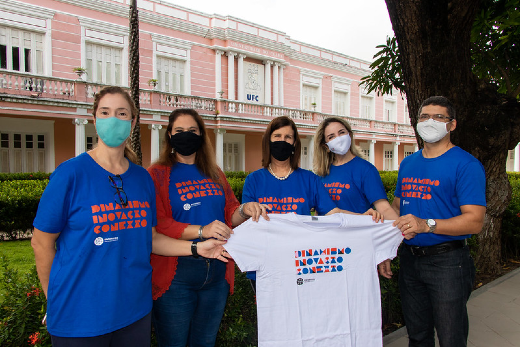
(65, 90)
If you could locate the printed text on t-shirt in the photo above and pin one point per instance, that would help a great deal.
(197, 188)
(113, 217)
(281, 205)
(335, 189)
(311, 261)
(412, 187)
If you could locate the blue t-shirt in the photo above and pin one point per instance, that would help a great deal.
(195, 198)
(354, 186)
(101, 277)
(300, 192)
(437, 187)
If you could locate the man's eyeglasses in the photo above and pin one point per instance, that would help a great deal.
(438, 117)
(120, 195)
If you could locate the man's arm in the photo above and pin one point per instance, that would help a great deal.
(470, 221)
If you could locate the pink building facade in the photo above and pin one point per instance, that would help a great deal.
(238, 75)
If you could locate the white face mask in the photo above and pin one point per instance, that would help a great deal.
(432, 130)
(339, 145)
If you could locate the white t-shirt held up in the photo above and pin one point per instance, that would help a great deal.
(317, 281)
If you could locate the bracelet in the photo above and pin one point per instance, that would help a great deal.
(200, 233)
(194, 249)
(241, 211)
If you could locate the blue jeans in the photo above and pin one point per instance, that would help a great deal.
(190, 311)
(434, 292)
(135, 335)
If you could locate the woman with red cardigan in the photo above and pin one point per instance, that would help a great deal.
(194, 202)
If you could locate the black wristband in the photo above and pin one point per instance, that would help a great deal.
(194, 249)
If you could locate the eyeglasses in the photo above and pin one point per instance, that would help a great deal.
(120, 195)
(438, 117)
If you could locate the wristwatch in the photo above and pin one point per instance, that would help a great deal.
(194, 249)
(432, 224)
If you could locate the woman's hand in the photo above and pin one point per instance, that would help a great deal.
(216, 230)
(376, 216)
(255, 210)
(213, 249)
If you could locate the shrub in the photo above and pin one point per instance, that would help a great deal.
(19, 198)
(22, 309)
(24, 176)
(237, 184)
(237, 174)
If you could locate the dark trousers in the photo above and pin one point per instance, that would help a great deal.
(434, 292)
(135, 335)
(190, 311)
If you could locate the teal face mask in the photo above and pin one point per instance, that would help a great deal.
(113, 131)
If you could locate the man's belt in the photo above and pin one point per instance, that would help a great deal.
(436, 249)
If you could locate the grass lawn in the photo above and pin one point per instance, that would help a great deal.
(19, 254)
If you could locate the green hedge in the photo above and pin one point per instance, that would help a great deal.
(24, 176)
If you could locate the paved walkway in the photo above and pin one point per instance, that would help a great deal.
(494, 315)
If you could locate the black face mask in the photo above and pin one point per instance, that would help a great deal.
(185, 143)
(281, 150)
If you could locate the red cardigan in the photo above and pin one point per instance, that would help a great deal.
(164, 268)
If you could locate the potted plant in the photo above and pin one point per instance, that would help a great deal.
(79, 71)
(313, 106)
(153, 82)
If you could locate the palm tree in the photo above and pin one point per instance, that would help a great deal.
(133, 53)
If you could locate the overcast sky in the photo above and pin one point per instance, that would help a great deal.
(352, 27)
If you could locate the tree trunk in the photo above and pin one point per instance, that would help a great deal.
(134, 78)
(434, 46)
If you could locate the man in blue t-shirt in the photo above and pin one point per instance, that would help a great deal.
(441, 199)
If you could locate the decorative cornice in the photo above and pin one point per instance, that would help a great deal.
(26, 9)
(98, 25)
(171, 41)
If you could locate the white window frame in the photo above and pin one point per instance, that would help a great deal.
(35, 127)
(34, 19)
(393, 110)
(364, 149)
(108, 35)
(372, 97)
(313, 79)
(408, 150)
(176, 49)
(388, 166)
(510, 163)
(341, 85)
(406, 113)
(239, 139)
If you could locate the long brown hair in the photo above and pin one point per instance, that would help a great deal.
(277, 123)
(129, 153)
(205, 157)
(324, 158)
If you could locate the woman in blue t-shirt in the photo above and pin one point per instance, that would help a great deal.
(194, 202)
(93, 235)
(352, 182)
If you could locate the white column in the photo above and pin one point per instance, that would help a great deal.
(241, 87)
(311, 152)
(218, 73)
(280, 87)
(80, 135)
(395, 156)
(516, 167)
(219, 146)
(371, 154)
(231, 75)
(275, 83)
(267, 82)
(155, 141)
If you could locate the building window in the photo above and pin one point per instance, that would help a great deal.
(22, 152)
(387, 162)
(309, 97)
(21, 50)
(341, 103)
(390, 111)
(170, 75)
(367, 107)
(103, 64)
(408, 150)
(231, 157)
(406, 114)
